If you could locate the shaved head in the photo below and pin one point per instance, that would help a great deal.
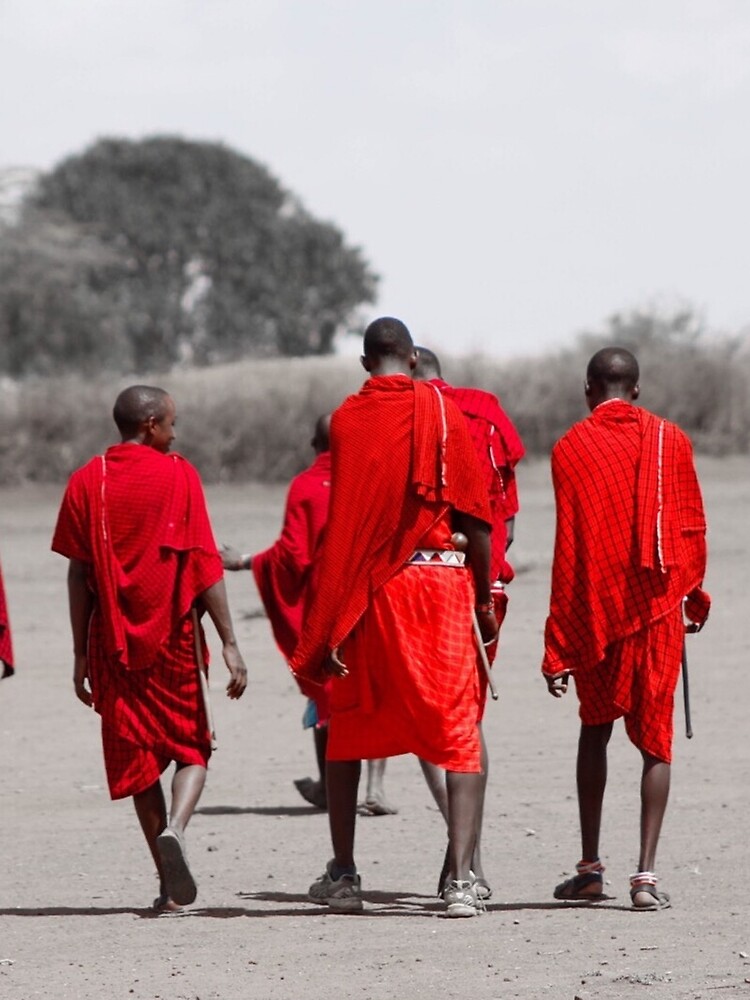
(136, 405)
(612, 373)
(428, 364)
(322, 437)
(388, 338)
(613, 366)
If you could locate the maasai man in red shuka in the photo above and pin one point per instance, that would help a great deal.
(630, 547)
(499, 449)
(6, 643)
(392, 613)
(284, 575)
(133, 523)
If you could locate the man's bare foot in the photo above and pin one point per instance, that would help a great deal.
(163, 904)
(376, 805)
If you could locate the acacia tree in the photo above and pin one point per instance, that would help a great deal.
(208, 257)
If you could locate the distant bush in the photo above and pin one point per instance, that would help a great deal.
(253, 420)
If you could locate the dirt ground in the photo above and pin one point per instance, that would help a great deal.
(76, 881)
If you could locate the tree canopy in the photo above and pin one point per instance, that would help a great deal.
(135, 255)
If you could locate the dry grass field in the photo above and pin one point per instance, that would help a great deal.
(76, 882)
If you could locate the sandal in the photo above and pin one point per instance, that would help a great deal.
(583, 885)
(644, 884)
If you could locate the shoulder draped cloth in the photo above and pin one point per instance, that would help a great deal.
(401, 455)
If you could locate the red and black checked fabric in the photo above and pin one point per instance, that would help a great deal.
(621, 497)
(150, 717)
(139, 518)
(6, 643)
(413, 684)
(637, 680)
(396, 468)
(499, 449)
(283, 571)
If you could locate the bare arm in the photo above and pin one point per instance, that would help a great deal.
(81, 602)
(215, 601)
(478, 557)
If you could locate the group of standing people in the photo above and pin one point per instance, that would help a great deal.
(385, 594)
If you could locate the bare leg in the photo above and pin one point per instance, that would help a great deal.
(320, 735)
(342, 782)
(476, 859)
(375, 801)
(464, 803)
(435, 778)
(591, 777)
(151, 810)
(654, 795)
(187, 785)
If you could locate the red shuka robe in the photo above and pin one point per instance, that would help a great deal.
(138, 518)
(402, 459)
(6, 643)
(499, 449)
(283, 571)
(630, 538)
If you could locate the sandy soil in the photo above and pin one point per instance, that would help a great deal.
(76, 881)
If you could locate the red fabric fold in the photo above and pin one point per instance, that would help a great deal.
(614, 575)
(6, 642)
(149, 558)
(499, 449)
(389, 486)
(283, 572)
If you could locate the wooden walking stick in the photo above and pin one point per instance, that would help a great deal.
(686, 693)
(483, 656)
(461, 543)
(203, 677)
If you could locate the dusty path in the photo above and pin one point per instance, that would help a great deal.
(76, 881)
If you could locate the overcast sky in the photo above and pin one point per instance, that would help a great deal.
(515, 170)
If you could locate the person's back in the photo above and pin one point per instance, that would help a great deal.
(391, 619)
(629, 549)
(142, 563)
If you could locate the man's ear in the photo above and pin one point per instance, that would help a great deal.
(414, 359)
(636, 391)
(365, 362)
(587, 387)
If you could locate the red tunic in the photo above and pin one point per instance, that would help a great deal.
(282, 572)
(629, 545)
(6, 643)
(139, 519)
(402, 460)
(499, 449)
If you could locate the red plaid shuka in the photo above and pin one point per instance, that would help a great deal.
(630, 540)
(6, 643)
(138, 518)
(401, 460)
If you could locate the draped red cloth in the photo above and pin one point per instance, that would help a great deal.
(6, 643)
(138, 518)
(630, 540)
(283, 571)
(402, 459)
(499, 449)
(400, 456)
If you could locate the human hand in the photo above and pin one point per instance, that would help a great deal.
(237, 670)
(488, 626)
(81, 680)
(557, 686)
(233, 560)
(334, 666)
